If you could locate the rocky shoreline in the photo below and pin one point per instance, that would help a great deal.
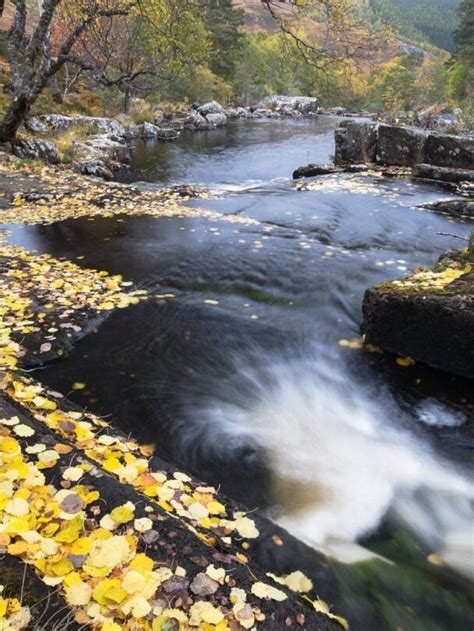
(431, 155)
(429, 316)
(103, 149)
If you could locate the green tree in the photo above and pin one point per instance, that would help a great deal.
(223, 23)
(464, 34)
(393, 85)
(460, 89)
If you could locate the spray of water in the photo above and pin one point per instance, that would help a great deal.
(338, 455)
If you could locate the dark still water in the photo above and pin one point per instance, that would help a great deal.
(242, 152)
(234, 369)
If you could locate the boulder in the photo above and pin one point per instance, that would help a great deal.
(449, 151)
(167, 133)
(213, 107)
(356, 142)
(445, 120)
(195, 120)
(177, 124)
(442, 174)
(150, 131)
(312, 170)
(289, 104)
(401, 146)
(208, 116)
(238, 112)
(58, 123)
(454, 207)
(101, 156)
(217, 119)
(36, 150)
(428, 317)
(96, 168)
(109, 146)
(145, 130)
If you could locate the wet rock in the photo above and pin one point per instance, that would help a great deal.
(217, 119)
(36, 150)
(314, 169)
(238, 112)
(432, 323)
(101, 156)
(177, 124)
(150, 131)
(214, 114)
(443, 174)
(402, 146)
(196, 121)
(453, 207)
(450, 151)
(356, 142)
(167, 133)
(208, 116)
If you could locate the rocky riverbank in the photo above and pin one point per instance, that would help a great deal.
(434, 156)
(100, 146)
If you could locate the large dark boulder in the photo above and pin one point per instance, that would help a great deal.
(442, 174)
(453, 207)
(312, 170)
(401, 146)
(427, 317)
(450, 151)
(356, 142)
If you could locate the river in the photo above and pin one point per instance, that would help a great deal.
(234, 367)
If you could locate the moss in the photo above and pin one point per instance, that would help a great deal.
(442, 279)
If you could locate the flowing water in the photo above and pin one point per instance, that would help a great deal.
(240, 378)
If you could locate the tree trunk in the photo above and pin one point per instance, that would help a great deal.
(14, 117)
(126, 99)
(56, 90)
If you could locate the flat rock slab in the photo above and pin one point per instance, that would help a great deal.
(461, 208)
(428, 317)
(442, 174)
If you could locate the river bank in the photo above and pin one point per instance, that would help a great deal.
(235, 310)
(50, 305)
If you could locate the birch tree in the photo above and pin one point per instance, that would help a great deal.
(33, 62)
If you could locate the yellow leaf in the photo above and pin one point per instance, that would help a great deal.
(203, 611)
(122, 514)
(77, 385)
(405, 362)
(142, 563)
(263, 590)
(109, 591)
(78, 594)
(296, 581)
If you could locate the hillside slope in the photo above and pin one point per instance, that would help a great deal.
(420, 21)
(423, 21)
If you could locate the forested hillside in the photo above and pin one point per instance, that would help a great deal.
(423, 21)
(238, 51)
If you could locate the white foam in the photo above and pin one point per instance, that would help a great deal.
(338, 457)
